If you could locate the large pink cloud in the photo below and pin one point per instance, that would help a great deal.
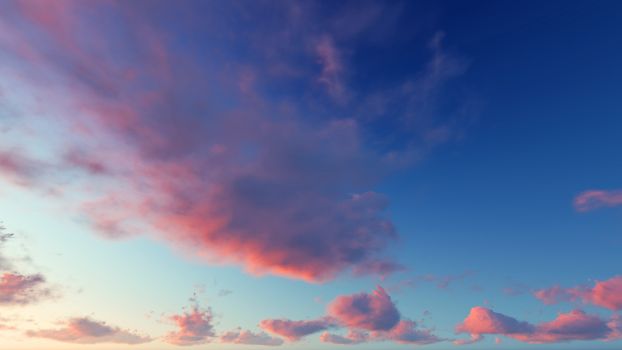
(373, 312)
(219, 157)
(235, 180)
(594, 199)
(87, 331)
(607, 294)
(574, 325)
(22, 289)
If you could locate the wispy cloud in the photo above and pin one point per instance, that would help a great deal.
(595, 199)
(84, 330)
(607, 294)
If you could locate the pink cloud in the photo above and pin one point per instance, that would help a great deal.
(332, 68)
(615, 324)
(366, 316)
(295, 330)
(249, 338)
(482, 320)
(607, 294)
(20, 168)
(209, 163)
(87, 331)
(21, 289)
(574, 325)
(373, 312)
(193, 327)
(594, 199)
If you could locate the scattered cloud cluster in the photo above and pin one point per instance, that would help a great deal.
(607, 294)
(194, 326)
(88, 331)
(574, 325)
(366, 316)
(18, 289)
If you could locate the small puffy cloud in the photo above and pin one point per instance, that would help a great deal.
(295, 330)
(607, 294)
(86, 331)
(194, 327)
(595, 199)
(239, 336)
(19, 289)
(574, 325)
(369, 311)
(482, 320)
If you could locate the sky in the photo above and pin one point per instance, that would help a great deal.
(310, 174)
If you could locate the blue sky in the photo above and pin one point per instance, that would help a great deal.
(296, 174)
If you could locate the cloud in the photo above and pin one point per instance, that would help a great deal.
(615, 324)
(194, 327)
(20, 168)
(220, 158)
(574, 325)
(295, 330)
(607, 294)
(373, 312)
(87, 331)
(249, 338)
(595, 199)
(482, 320)
(366, 316)
(332, 68)
(17, 289)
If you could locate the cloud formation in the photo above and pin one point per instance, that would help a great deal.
(607, 294)
(221, 158)
(17, 289)
(240, 336)
(295, 330)
(194, 326)
(574, 325)
(367, 317)
(595, 199)
(372, 312)
(86, 331)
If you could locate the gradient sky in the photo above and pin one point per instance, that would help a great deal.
(310, 175)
